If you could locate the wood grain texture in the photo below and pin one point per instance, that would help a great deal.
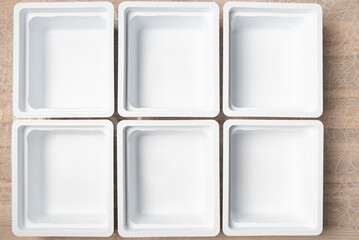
(340, 118)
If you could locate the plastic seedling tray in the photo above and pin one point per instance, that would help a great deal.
(63, 60)
(272, 177)
(168, 59)
(62, 178)
(168, 178)
(272, 59)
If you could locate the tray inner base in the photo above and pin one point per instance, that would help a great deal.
(168, 180)
(61, 188)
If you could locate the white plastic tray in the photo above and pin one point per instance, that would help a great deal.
(168, 59)
(168, 178)
(272, 177)
(272, 59)
(62, 178)
(63, 60)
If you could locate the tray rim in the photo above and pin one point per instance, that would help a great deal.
(108, 110)
(122, 78)
(121, 128)
(227, 7)
(17, 124)
(318, 125)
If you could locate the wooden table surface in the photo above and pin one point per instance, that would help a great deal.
(340, 118)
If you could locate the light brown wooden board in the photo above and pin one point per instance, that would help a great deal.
(340, 118)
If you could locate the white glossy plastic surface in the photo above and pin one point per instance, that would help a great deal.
(62, 178)
(168, 59)
(272, 59)
(272, 177)
(168, 178)
(63, 60)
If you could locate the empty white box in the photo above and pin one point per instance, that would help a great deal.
(272, 59)
(62, 178)
(63, 60)
(272, 177)
(168, 59)
(168, 178)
